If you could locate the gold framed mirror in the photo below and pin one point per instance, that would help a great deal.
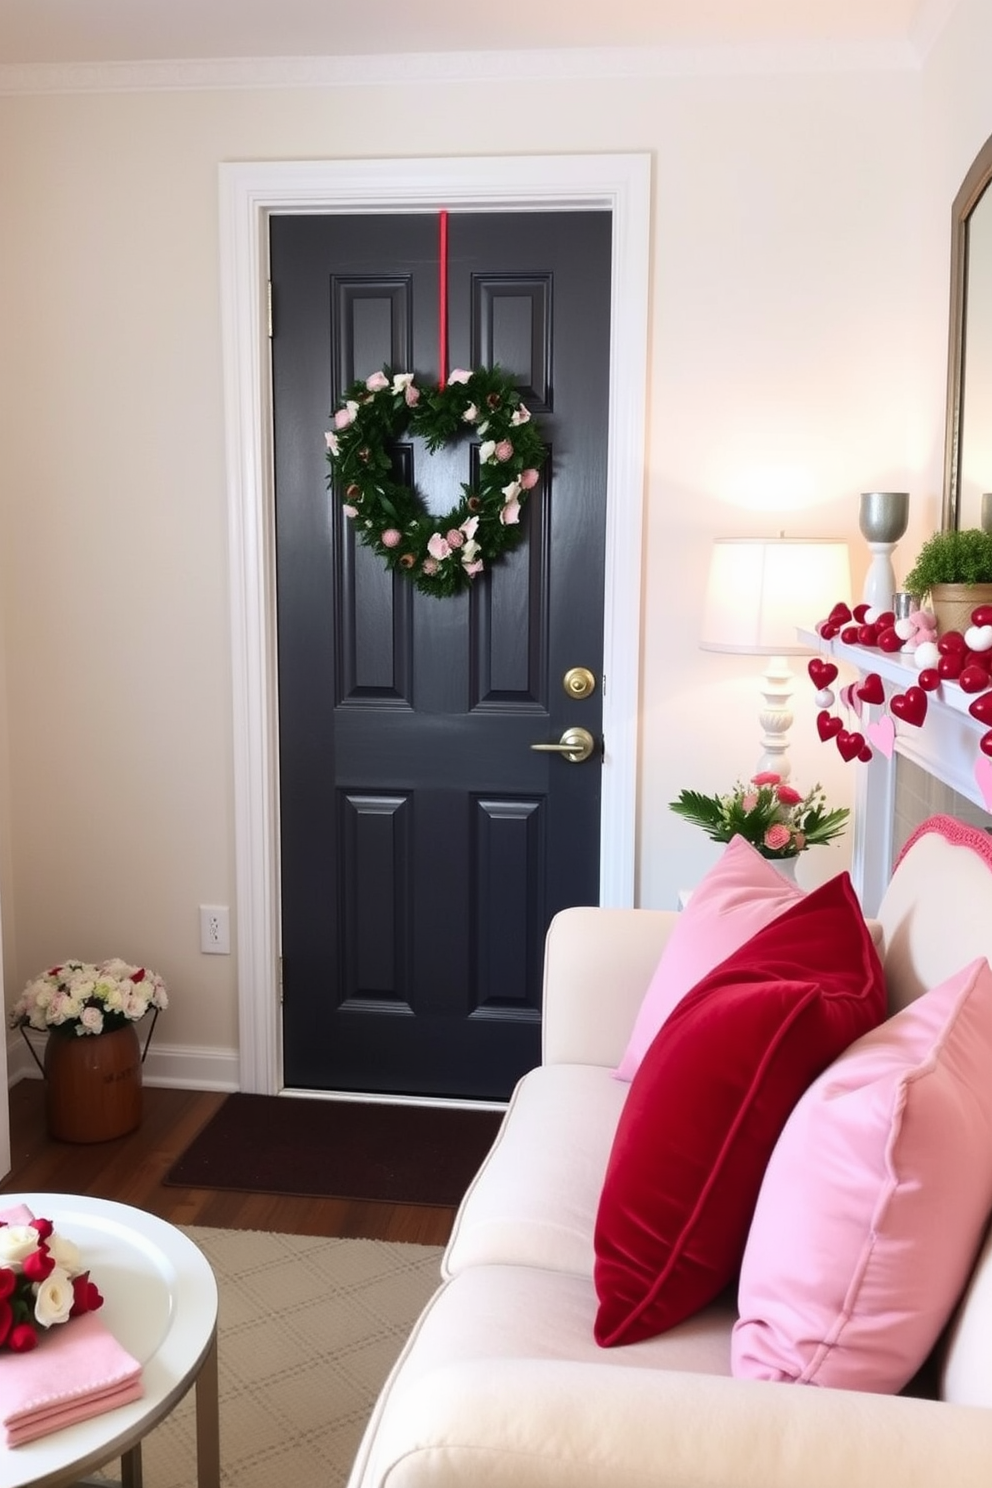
(968, 437)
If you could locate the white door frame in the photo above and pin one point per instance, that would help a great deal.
(249, 194)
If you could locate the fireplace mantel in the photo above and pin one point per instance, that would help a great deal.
(946, 747)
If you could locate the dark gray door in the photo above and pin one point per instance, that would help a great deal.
(424, 844)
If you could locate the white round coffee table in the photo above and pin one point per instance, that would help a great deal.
(160, 1303)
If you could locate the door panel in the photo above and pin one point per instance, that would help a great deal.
(424, 845)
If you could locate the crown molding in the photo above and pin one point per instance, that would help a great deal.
(569, 64)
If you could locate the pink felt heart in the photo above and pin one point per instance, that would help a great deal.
(983, 775)
(849, 698)
(883, 735)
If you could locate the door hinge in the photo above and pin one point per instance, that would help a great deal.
(268, 307)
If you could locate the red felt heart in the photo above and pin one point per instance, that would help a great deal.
(827, 630)
(951, 642)
(888, 640)
(822, 672)
(929, 679)
(849, 635)
(860, 611)
(871, 689)
(981, 708)
(850, 745)
(982, 615)
(867, 635)
(827, 726)
(973, 679)
(982, 659)
(885, 620)
(840, 614)
(910, 706)
(985, 743)
(865, 754)
(951, 666)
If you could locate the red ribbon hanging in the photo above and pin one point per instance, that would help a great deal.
(442, 320)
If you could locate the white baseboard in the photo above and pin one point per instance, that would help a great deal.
(174, 1065)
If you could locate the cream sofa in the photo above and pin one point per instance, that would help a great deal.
(501, 1384)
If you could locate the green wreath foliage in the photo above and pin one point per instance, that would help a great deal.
(441, 555)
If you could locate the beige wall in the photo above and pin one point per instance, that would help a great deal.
(796, 344)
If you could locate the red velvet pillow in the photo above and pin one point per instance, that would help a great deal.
(707, 1104)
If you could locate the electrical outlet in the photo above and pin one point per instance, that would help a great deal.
(215, 930)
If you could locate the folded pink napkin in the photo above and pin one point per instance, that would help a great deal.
(77, 1371)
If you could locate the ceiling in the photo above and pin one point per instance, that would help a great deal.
(95, 31)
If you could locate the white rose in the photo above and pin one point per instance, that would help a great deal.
(16, 1242)
(65, 1253)
(53, 1299)
(402, 381)
(91, 1018)
(487, 450)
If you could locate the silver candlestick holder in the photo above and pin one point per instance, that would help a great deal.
(883, 519)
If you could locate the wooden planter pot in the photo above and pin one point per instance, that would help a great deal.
(93, 1085)
(952, 604)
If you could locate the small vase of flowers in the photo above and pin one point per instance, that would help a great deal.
(778, 820)
(93, 1059)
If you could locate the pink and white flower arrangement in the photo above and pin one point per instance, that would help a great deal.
(42, 1283)
(80, 998)
(769, 813)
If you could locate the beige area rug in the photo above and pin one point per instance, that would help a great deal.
(308, 1330)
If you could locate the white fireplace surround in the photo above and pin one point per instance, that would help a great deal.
(945, 747)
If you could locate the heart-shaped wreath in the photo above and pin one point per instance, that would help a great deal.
(440, 554)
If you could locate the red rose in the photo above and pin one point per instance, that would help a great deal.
(6, 1318)
(39, 1265)
(85, 1295)
(22, 1339)
(43, 1226)
(8, 1281)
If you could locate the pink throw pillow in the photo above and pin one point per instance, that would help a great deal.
(707, 1105)
(733, 901)
(875, 1201)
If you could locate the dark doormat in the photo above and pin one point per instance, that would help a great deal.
(338, 1149)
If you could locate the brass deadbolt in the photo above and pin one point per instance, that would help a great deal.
(579, 682)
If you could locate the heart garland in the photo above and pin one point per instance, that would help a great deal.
(961, 657)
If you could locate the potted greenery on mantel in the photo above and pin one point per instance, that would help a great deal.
(953, 568)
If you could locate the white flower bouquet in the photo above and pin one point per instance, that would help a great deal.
(42, 1283)
(81, 998)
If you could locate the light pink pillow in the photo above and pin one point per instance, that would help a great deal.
(874, 1201)
(739, 896)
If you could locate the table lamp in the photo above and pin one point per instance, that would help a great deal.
(759, 591)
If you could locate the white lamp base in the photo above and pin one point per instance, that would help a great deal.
(775, 717)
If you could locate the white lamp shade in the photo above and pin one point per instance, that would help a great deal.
(761, 590)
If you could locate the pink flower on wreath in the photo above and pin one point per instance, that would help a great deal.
(777, 836)
(504, 450)
(377, 382)
(474, 568)
(350, 511)
(510, 513)
(332, 443)
(430, 565)
(346, 416)
(438, 547)
(391, 538)
(529, 479)
(411, 395)
(788, 795)
(521, 415)
(455, 538)
(458, 375)
(767, 777)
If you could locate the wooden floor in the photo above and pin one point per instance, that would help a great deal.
(131, 1170)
